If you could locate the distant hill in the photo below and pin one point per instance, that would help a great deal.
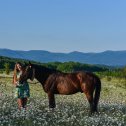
(111, 58)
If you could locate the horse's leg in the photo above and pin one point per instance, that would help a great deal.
(89, 96)
(96, 106)
(90, 100)
(51, 98)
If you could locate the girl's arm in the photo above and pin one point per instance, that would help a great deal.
(15, 80)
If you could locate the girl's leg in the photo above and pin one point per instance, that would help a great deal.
(20, 103)
(24, 102)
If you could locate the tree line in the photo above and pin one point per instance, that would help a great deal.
(117, 72)
(7, 64)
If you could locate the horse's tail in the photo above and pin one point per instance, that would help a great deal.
(97, 93)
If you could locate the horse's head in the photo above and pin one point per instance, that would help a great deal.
(28, 72)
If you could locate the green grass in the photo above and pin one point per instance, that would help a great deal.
(70, 111)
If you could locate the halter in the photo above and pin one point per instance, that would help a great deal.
(33, 76)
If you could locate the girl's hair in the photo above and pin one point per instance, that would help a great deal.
(15, 71)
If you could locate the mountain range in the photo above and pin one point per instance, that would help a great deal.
(110, 58)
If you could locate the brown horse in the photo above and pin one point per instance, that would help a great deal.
(56, 82)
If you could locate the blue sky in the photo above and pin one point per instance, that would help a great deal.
(63, 25)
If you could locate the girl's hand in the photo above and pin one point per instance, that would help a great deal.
(16, 84)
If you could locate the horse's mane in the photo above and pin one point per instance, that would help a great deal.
(44, 68)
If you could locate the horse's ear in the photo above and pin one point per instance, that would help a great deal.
(29, 63)
(25, 64)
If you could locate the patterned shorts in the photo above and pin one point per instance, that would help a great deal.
(22, 91)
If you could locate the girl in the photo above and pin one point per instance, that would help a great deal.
(22, 89)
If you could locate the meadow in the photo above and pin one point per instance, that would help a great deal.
(71, 110)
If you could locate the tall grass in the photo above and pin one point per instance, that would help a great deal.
(70, 111)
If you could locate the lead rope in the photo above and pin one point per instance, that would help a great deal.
(33, 82)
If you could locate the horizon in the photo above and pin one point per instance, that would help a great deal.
(63, 52)
(63, 26)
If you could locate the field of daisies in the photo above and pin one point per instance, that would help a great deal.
(71, 110)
